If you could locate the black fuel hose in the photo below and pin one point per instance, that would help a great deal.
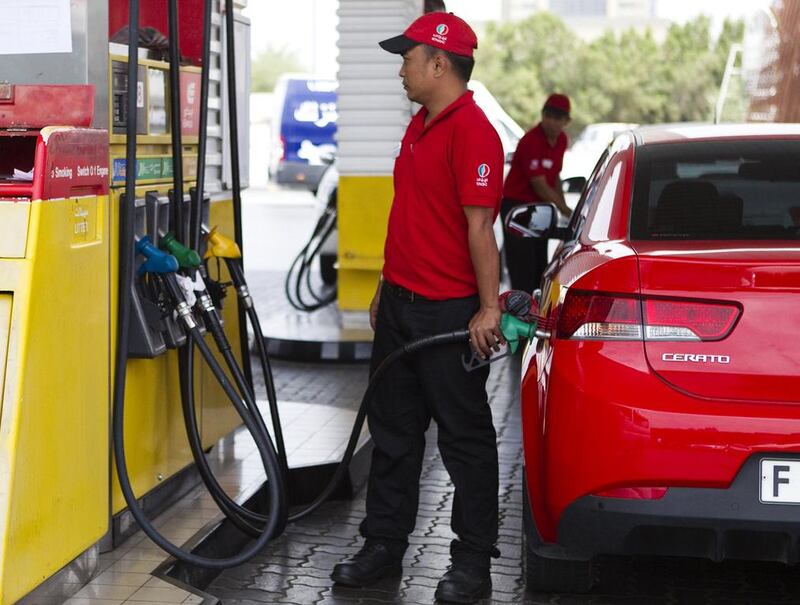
(238, 515)
(277, 502)
(176, 217)
(196, 217)
(407, 349)
(300, 270)
(224, 347)
(236, 182)
(227, 505)
(237, 275)
(247, 521)
(127, 221)
(126, 274)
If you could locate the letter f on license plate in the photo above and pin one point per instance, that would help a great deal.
(780, 481)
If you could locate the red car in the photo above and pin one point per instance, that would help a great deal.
(661, 397)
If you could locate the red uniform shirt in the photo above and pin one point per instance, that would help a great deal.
(456, 161)
(534, 156)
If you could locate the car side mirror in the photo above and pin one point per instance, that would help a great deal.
(532, 220)
(574, 184)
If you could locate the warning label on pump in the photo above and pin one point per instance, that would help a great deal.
(76, 164)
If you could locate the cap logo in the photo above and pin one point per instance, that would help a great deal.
(441, 34)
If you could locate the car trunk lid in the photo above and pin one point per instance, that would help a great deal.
(759, 359)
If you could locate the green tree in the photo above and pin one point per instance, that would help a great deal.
(610, 87)
(628, 77)
(269, 65)
(520, 62)
(688, 72)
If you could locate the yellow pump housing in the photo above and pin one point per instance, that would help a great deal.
(59, 238)
(55, 350)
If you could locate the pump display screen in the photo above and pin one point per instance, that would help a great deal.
(119, 94)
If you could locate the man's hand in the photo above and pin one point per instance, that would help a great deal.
(484, 331)
(550, 194)
(564, 209)
(373, 306)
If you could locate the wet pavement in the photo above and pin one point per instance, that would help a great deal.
(295, 567)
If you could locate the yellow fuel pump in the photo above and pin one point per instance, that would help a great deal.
(62, 172)
(54, 333)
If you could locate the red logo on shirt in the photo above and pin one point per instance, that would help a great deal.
(483, 175)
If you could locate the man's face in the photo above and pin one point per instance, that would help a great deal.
(553, 124)
(417, 73)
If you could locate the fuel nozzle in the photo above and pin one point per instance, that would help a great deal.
(515, 329)
(223, 247)
(186, 257)
(220, 246)
(166, 265)
(518, 322)
(156, 261)
(520, 317)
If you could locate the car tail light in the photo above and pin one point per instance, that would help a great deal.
(596, 316)
(283, 148)
(604, 316)
(688, 320)
(634, 493)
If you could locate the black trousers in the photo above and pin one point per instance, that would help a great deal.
(526, 258)
(431, 384)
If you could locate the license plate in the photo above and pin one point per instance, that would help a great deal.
(780, 481)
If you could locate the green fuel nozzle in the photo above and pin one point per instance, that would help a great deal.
(187, 258)
(519, 320)
(514, 329)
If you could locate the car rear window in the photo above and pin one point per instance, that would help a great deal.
(741, 190)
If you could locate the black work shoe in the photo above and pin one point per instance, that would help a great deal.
(367, 566)
(464, 584)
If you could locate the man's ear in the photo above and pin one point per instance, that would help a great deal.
(440, 65)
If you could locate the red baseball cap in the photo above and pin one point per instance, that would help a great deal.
(558, 102)
(440, 30)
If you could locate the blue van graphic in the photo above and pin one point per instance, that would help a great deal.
(304, 129)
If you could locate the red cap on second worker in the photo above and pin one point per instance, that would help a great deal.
(558, 102)
(440, 30)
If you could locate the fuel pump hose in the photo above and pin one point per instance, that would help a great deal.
(126, 276)
(300, 270)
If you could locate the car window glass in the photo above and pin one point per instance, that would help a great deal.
(589, 194)
(738, 190)
(607, 192)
